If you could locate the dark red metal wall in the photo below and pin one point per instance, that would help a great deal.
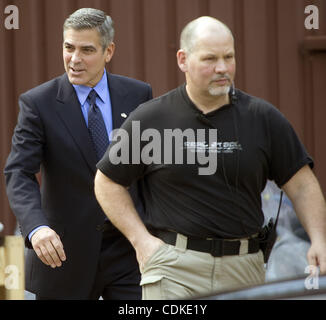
(277, 58)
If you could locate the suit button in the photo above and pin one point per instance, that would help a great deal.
(99, 227)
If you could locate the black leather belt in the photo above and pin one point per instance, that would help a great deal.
(216, 247)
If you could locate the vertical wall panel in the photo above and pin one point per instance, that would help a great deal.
(128, 20)
(7, 114)
(53, 26)
(224, 11)
(319, 114)
(239, 34)
(158, 53)
(29, 56)
(290, 64)
(187, 10)
(272, 58)
(256, 46)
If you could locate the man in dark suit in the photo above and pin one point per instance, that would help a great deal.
(75, 252)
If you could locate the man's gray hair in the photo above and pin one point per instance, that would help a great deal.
(190, 32)
(89, 18)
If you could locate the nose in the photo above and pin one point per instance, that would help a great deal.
(75, 57)
(221, 66)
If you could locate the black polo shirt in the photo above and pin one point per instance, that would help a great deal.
(202, 174)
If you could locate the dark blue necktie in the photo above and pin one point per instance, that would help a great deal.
(96, 126)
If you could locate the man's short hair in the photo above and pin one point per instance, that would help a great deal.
(89, 18)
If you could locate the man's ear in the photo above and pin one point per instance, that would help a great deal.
(109, 51)
(182, 60)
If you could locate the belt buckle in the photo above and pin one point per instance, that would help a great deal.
(217, 248)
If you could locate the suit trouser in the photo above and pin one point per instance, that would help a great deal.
(174, 272)
(117, 276)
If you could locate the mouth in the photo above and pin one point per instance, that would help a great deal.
(76, 71)
(221, 81)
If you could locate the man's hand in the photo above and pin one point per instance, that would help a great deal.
(309, 204)
(48, 247)
(117, 204)
(317, 256)
(145, 249)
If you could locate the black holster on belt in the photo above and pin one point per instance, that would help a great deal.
(267, 238)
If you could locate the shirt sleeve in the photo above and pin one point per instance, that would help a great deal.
(33, 231)
(288, 154)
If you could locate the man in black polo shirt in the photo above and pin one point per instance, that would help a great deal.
(204, 152)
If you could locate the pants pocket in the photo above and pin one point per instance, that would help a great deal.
(156, 253)
(164, 288)
(151, 288)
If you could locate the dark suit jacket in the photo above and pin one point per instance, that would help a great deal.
(51, 134)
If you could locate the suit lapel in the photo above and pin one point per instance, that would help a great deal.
(70, 113)
(118, 95)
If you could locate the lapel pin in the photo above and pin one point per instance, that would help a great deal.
(123, 115)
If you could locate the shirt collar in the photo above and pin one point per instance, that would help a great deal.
(101, 89)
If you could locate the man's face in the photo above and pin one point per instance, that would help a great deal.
(83, 56)
(210, 67)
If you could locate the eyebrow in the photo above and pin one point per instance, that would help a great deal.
(66, 43)
(88, 47)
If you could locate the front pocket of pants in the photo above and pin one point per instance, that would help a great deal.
(161, 262)
(154, 255)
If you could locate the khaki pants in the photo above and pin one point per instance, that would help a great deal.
(173, 272)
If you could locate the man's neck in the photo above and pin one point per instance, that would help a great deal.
(208, 103)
